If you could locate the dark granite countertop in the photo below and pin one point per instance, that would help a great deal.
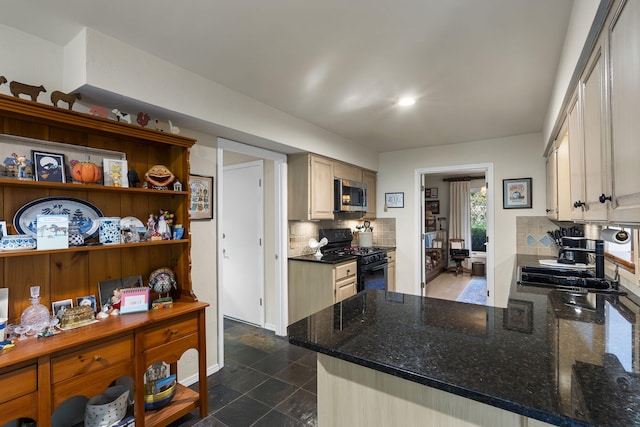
(325, 259)
(562, 358)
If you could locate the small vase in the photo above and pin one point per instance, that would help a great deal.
(75, 236)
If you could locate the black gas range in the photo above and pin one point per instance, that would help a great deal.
(372, 262)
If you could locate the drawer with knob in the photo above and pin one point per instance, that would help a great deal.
(91, 359)
(345, 270)
(169, 332)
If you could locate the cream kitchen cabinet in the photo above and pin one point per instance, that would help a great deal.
(316, 285)
(623, 39)
(558, 178)
(370, 178)
(310, 187)
(391, 271)
(576, 157)
(592, 88)
(346, 171)
(587, 142)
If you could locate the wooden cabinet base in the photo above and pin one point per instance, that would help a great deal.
(350, 394)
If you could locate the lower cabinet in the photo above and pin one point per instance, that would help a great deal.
(391, 271)
(40, 375)
(316, 285)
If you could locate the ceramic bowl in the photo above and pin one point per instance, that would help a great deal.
(158, 400)
(17, 242)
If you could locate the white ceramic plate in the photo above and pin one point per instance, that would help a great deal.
(132, 223)
(82, 211)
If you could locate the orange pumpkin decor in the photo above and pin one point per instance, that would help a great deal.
(86, 172)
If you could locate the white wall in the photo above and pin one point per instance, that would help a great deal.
(582, 16)
(119, 68)
(512, 157)
(31, 60)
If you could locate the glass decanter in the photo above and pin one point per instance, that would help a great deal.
(36, 316)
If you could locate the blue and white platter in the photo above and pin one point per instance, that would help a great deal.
(84, 213)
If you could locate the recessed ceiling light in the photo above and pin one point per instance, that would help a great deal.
(406, 101)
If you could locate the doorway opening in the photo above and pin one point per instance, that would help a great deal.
(442, 218)
(235, 162)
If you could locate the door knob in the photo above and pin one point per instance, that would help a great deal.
(604, 198)
(578, 204)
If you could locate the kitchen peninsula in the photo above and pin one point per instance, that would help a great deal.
(550, 357)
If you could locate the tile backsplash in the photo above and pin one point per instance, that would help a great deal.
(532, 237)
(384, 233)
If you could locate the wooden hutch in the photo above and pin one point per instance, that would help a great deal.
(38, 374)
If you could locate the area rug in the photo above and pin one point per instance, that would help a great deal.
(475, 292)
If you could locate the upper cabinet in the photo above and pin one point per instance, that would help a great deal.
(623, 36)
(576, 157)
(310, 187)
(592, 87)
(603, 125)
(586, 118)
(558, 178)
(370, 179)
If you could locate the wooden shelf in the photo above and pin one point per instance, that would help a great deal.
(32, 252)
(7, 182)
(184, 401)
(76, 271)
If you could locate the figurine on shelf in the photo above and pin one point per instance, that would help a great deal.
(121, 116)
(152, 228)
(143, 119)
(18, 166)
(18, 89)
(159, 177)
(165, 222)
(69, 98)
(133, 178)
(25, 170)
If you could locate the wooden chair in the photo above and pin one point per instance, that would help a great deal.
(457, 254)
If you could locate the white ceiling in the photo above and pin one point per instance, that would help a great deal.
(480, 69)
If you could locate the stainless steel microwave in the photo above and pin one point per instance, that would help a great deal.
(349, 196)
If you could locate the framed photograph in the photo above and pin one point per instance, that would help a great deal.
(427, 193)
(434, 192)
(516, 193)
(518, 316)
(433, 206)
(89, 300)
(394, 200)
(106, 288)
(59, 307)
(3, 229)
(48, 167)
(115, 173)
(200, 197)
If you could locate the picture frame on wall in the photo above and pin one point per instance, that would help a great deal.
(433, 206)
(516, 193)
(49, 167)
(394, 200)
(200, 197)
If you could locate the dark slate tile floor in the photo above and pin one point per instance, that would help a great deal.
(265, 382)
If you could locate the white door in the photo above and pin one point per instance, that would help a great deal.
(242, 243)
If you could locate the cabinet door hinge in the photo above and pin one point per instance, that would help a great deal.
(260, 182)
(260, 302)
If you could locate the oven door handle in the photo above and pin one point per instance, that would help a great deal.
(375, 265)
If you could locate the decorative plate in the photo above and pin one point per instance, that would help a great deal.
(132, 223)
(83, 212)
